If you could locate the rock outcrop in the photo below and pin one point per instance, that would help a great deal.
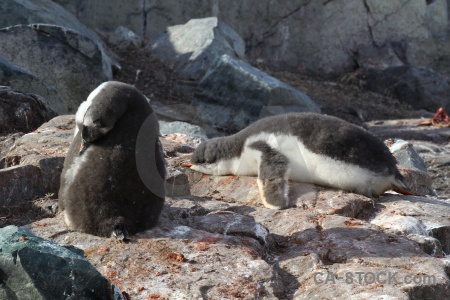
(195, 46)
(20, 112)
(422, 88)
(32, 166)
(314, 36)
(233, 94)
(75, 60)
(23, 80)
(34, 268)
(226, 92)
(24, 12)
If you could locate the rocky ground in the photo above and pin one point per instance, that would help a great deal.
(215, 240)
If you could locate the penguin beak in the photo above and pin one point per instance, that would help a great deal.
(400, 187)
(83, 146)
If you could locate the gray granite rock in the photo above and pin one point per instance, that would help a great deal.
(75, 60)
(312, 36)
(422, 88)
(24, 12)
(233, 94)
(405, 154)
(34, 268)
(124, 38)
(195, 46)
(23, 80)
(196, 133)
(20, 112)
(32, 166)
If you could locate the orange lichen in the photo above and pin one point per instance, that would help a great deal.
(177, 257)
(351, 224)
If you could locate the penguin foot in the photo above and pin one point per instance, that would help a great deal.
(120, 233)
(274, 193)
(272, 176)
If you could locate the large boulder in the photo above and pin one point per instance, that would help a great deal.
(234, 94)
(227, 92)
(33, 165)
(420, 87)
(20, 112)
(314, 36)
(34, 268)
(193, 47)
(75, 61)
(23, 12)
(23, 80)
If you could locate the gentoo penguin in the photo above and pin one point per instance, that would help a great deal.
(304, 147)
(103, 188)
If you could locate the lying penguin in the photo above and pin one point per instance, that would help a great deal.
(112, 183)
(303, 147)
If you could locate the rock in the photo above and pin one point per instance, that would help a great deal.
(230, 93)
(20, 184)
(176, 261)
(408, 129)
(24, 12)
(437, 158)
(6, 142)
(415, 215)
(67, 275)
(20, 112)
(23, 80)
(195, 46)
(420, 87)
(177, 183)
(411, 166)
(196, 133)
(233, 94)
(418, 181)
(377, 58)
(405, 154)
(75, 60)
(317, 37)
(33, 165)
(428, 244)
(123, 38)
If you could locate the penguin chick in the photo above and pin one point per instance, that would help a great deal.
(103, 191)
(303, 147)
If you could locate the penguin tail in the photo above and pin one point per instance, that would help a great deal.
(400, 187)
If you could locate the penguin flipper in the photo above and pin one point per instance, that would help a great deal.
(272, 176)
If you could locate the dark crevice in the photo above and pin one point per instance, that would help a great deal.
(369, 27)
(144, 19)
